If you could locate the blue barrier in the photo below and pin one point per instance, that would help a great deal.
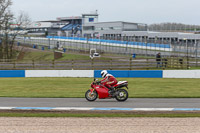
(116, 73)
(12, 73)
(146, 74)
(132, 74)
(114, 41)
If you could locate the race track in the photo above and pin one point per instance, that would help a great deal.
(105, 103)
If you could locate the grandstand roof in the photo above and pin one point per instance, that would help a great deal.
(69, 18)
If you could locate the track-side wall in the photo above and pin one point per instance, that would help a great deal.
(96, 73)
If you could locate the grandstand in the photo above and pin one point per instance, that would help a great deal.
(72, 27)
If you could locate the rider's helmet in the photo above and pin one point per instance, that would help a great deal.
(104, 73)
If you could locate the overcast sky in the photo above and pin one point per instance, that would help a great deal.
(140, 11)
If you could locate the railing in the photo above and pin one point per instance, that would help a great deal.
(98, 64)
(128, 47)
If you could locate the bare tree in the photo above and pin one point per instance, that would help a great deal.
(10, 27)
(18, 27)
(174, 27)
(5, 17)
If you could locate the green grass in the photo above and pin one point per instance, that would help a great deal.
(76, 87)
(195, 68)
(50, 56)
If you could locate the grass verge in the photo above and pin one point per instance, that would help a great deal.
(76, 87)
(125, 115)
(50, 56)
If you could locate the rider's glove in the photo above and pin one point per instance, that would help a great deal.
(98, 82)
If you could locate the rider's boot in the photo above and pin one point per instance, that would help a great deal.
(111, 91)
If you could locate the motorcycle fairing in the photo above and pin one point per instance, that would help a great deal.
(102, 91)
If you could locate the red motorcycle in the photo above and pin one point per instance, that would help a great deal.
(99, 90)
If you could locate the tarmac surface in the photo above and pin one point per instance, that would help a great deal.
(103, 103)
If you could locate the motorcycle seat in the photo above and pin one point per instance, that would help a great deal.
(121, 82)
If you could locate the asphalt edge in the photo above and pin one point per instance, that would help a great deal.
(98, 109)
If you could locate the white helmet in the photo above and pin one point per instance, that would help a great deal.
(104, 73)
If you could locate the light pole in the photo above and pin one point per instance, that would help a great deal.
(146, 45)
(196, 52)
(155, 42)
(185, 39)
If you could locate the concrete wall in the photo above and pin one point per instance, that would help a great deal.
(132, 74)
(181, 74)
(96, 73)
(59, 73)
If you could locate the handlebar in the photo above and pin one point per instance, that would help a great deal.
(97, 82)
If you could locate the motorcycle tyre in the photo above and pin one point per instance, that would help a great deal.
(122, 100)
(91, 100)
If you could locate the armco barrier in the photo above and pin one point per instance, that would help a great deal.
(97, 73)
(59, 73)
(181, 74)
(132, 74)
(12, 73)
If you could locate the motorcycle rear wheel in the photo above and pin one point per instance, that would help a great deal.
(122, 95)
(91, 96)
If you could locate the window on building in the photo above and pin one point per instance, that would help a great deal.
(117, 28)
(88, 28)
(105, 28)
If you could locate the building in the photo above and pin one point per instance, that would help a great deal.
(86, 25)
(112, 30)
(44, 28)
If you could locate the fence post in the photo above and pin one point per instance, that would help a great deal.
(14, 65)
(53, 63)
(130, 63)
(170, 62)
(92, 63)
(72, 64)
(33, 63)
(147, 64)
(111, 64)
(188, 63)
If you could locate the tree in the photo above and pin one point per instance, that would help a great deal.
(17, 27)
(174, 27)
(10, 27)
(5, 17)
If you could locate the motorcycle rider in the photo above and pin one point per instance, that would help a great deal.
(109, 81)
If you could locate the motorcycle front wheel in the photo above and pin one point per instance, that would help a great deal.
(122, 95)
(91, 96)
